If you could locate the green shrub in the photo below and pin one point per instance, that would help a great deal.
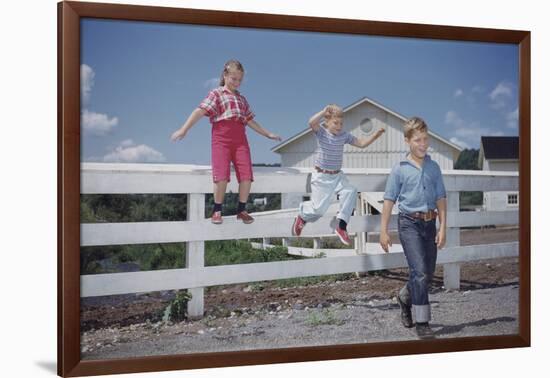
(176, 311)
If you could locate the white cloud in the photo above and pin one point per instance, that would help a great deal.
(467, 134)
(500, 96)
(87, 76)
(128, 152)
(461, 143)
(458, 93)
(127, 143)
(97, 123)
(512, 119)
(212, 83)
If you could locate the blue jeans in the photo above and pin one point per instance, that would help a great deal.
(323, 188)
(418, 241)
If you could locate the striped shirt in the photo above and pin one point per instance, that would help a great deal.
(330, 148)
(221, 104)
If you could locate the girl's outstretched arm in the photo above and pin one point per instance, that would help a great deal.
(197, 114)
(260, 130)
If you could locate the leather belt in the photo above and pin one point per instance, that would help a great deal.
(426, 217)
(321, 170)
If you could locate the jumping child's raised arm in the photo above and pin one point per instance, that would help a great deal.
(362, 142)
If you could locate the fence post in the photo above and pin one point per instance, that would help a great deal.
(194, 255)
(285, 242)
(360, 237)
(451, 272)
(265, 242)
(317, 244)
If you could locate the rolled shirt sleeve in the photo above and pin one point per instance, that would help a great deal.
(440, 191)
(210, 104)
(393, 185)
(248, 114)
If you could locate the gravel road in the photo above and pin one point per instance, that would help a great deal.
(489, 311)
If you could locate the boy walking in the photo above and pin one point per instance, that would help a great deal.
(327, 179)
(416, 184)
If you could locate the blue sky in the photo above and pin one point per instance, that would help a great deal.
(141, 80)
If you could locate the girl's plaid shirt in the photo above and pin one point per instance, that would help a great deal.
(222, 104)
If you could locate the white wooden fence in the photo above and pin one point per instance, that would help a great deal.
(99, 178)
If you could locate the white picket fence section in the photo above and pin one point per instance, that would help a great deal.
(195, 181)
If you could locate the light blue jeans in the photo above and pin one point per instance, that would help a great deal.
(323, 187)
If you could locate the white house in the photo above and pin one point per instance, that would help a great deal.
(362, 118)
(499, 153)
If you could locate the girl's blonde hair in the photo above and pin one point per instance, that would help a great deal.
(414, 124)
(230, 65)
(333, 111)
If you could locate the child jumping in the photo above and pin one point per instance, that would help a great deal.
(229, 115)
(417, 184)
(327, 178)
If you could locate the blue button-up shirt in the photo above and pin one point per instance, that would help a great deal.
(415, 189)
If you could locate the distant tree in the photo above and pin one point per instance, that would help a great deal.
(468, 159)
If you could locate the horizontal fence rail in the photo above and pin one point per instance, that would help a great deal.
(93, 234)
(195, 181)
(97, 178)
(135, 282)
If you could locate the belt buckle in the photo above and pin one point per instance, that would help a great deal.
(428, 216)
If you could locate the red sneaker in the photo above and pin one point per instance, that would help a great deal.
(343, 235)
(245, 217)
(217, 217)
(298, 226)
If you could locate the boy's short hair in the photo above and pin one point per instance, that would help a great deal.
(414, 124)
(334, 111)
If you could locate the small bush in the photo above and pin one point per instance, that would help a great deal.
(176, 311)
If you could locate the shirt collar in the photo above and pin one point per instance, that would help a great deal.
(225, 90)
(427, 158)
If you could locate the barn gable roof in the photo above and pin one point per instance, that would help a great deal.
(500, 147)
(286, 142)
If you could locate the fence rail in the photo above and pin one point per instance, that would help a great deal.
(195, 181)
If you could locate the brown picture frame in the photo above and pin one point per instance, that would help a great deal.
(69, 14)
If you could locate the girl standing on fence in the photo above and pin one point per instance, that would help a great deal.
(229, 115)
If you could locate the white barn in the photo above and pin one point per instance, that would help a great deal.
(499, 153)
(362, 118)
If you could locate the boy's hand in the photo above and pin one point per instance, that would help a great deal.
(440, 238)
(273, 136)
(177, 135)
(385, 241)
(380, 132)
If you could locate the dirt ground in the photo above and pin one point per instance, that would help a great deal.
(223, 304)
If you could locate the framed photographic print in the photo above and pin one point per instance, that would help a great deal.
(227, 182)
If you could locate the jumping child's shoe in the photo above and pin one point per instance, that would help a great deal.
(298, 226)
(343, 235)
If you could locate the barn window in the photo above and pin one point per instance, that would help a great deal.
(366, 126)
(512, 199)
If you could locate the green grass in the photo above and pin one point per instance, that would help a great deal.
(324, 317)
